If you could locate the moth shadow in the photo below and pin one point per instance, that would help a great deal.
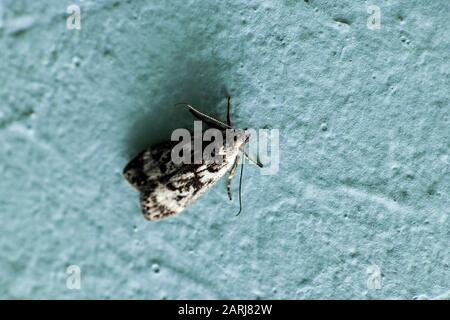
(195, 82)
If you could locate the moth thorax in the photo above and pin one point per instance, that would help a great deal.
(235, 138)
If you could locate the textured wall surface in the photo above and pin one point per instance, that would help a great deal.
(364, 119)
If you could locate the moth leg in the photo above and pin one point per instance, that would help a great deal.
(231, 175)
(228, 112)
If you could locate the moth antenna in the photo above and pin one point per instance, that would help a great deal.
(220, 123)
(240, 187)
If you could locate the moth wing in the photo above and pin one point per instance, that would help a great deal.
(167, 188)
(150, 165)
(173, 193)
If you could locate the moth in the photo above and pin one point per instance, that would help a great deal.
(166, 187)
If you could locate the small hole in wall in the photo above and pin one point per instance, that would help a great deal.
(155, 268)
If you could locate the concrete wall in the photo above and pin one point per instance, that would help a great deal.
(358, 209)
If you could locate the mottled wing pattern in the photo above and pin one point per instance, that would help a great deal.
(151, 164)
(167, 188)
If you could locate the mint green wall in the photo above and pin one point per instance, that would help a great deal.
(364, 178)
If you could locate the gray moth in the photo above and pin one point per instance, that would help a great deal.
(166, 187)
